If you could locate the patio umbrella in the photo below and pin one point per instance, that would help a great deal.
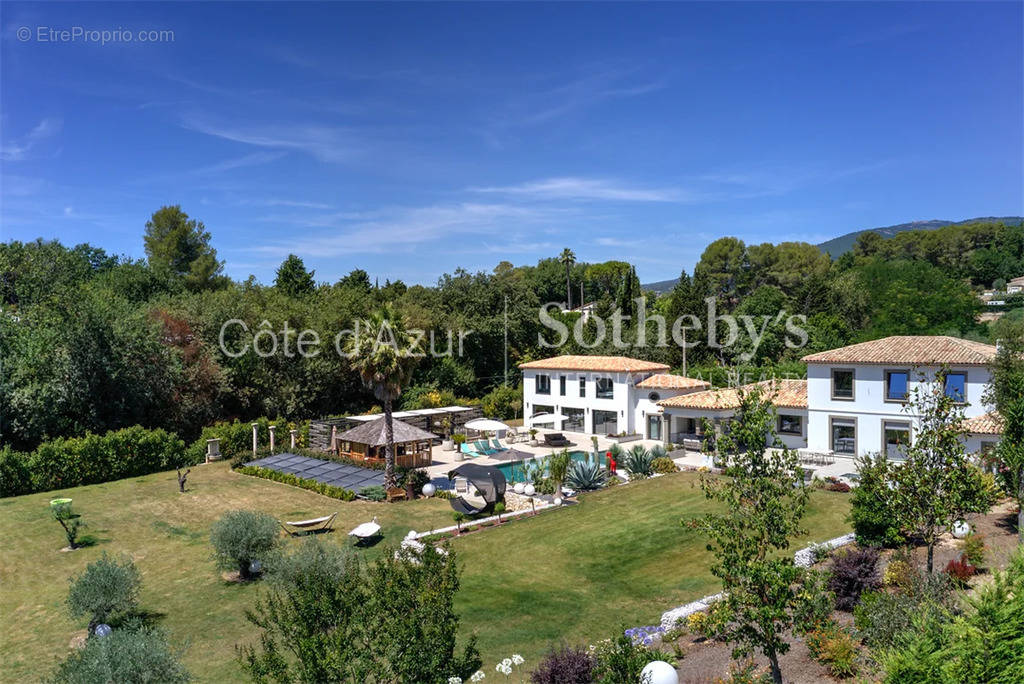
(486, 425)
(546, 418)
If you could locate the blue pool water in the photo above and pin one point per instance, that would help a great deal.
(514, 471)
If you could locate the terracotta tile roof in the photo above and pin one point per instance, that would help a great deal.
(986, 424)
(918, 350)
(786, 394)
(671, 381)
(611, 364)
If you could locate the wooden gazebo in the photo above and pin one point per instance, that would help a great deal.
(368, 442)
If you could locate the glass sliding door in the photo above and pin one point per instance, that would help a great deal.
(574, 419)
(654, 427)
(606, 422)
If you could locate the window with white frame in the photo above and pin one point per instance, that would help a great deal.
(542, 384)
(605, 388)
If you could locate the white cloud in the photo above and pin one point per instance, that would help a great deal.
(327, 143)
(590, 189)
(407, 229)
(19, 149)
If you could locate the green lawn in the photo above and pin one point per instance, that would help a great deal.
(620, 557)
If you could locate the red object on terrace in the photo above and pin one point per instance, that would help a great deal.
(611, 462)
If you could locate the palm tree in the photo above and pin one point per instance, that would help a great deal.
(568, 258)
(379, 352)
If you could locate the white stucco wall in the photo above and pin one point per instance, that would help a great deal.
(869, 407)
(622, 401)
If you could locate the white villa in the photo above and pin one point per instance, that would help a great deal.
(853, 402)
(600, 395)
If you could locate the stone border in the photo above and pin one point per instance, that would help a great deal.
(469, 523)
(804, 558)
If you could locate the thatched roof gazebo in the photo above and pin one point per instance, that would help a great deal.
(368, 442)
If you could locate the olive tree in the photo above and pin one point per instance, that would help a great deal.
(124, 656)
(106, 588)
(241, 537)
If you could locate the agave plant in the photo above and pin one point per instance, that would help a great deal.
(637, 462)
(658, 451)
(616, 452)
(584, 476)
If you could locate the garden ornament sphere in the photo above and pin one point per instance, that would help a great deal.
(519, 488)
(529, 490)
(103, 630)
(961, 529)
(255, 567)
(557, 501)
(659, 672)
(428, 490)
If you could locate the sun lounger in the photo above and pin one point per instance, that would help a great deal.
(312, 525)
(464, 448)
(366, 530)
(497, 445)
(556, 439)
(482, 448)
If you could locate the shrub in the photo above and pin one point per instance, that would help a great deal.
(373, 493)
(584, 476)
(240, 537)
(697, 623)
(973, 547)
(106, 588)
(15, 475)
(236, 437)
(565, 665)
(637, 462)
(664, 464)
(132, 657)
(622, 659)
(839, 653)
(416, 477)
(332, 491)
(900, 572)
(838, 487)
(880, 616)
(854, 571)
(960, 570)
(870, 514)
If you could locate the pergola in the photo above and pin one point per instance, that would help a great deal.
(368, 442)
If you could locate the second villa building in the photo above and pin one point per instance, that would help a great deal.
(855, 400)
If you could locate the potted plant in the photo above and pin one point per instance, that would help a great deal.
(533, 436)
(458, 439)
(447, 444)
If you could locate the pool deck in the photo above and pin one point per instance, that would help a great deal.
(444, 461)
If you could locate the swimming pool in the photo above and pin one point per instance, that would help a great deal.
(513, 471)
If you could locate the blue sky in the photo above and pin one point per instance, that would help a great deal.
(409, 140)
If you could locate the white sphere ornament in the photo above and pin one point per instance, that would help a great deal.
(428, 490)
(519, 488)
(557, 501)
(961, 529)
(103, 630)
(659, 672)
(529, 490)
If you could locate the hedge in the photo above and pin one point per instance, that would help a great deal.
(76, 461)
(303, 483)
(236, 437)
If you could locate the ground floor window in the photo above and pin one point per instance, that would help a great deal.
(653, 427)
(540, 408)
(844, 436)
(790, 425)
(606, 422)
(896, 439)
(574, 419)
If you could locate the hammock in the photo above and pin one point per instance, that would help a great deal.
(320, 524)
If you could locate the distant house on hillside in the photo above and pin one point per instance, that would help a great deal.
(1015, 285)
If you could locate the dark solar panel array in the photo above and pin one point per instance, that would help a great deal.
(329, 472)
